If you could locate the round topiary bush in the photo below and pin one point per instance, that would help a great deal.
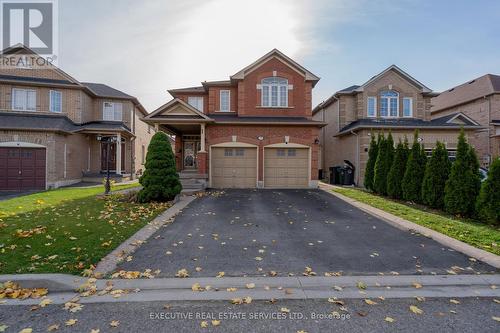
(160, 180)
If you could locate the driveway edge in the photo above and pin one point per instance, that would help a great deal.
(405, 225)
(110, 261)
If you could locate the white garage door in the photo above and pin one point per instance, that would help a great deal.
(286, 167)
(234, 167)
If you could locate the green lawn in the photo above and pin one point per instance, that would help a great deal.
(66, 230)
(477, 234)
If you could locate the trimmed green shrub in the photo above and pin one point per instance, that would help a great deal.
(370, 164)
(414, 173)
(436, 174)
(160, 180)
(488, 202)
(462, 187)
(397, 172)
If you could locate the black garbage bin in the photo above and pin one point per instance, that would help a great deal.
(348, 173)
(335, 175)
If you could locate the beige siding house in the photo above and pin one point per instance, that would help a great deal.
(390, 101)
(479, 99)
(50, 124)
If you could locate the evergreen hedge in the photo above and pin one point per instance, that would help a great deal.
(370, 164)
(160, 180)
(488, 203)
(397, 171)
(436, 174)
(463, 185)
(414, 173)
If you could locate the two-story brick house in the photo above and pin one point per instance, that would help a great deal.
(478, 99)
(390, 101)
(50, 124)
(253, 130)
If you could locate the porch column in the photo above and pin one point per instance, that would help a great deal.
(118, 154)
(202, 137)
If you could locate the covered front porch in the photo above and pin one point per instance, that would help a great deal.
(187, 125)
(109, 150)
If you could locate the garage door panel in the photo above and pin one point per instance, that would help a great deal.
(286, 167)
(22, 168)
(234, 167)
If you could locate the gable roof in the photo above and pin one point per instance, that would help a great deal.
(192, 113)
(275, 53)
(400, 72)
(446, 122)
(482, 86)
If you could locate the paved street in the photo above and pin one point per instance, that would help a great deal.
(252, 232)
(471, 315)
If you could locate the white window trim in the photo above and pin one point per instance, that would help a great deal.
(389, 106)
(25, 108)
(374, 106)
(114, 111)
(270, 94)
(50, 100)
(411, 107)
(228, 102)
(202, 102)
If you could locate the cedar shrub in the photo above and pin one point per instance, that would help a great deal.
(160, 180)
(436, 174)
(414, 173)
(488, 202)
(396, 174)
(370, 164)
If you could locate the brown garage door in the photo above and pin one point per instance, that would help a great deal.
(22, 169)
(286, 167)
(234, 167)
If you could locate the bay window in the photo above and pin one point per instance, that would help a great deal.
(55, 102)
(371, 107)
(112, 111)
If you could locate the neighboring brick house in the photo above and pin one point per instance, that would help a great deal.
(50, 124)
(390, 101)
(479, 99)
(253, 130)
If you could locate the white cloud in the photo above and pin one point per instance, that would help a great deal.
(147, 47)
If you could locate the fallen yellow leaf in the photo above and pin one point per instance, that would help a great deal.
(215, 322)
(285, 310)
(250, 285)
(389, 319)
(415, 309)
(370, 302)
(114, 323)
(454, 301)
(71, 322)
(204, 324)
(26, 330)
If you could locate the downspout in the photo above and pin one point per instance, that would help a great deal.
(132, 146)
(357, 157)
(489, 131)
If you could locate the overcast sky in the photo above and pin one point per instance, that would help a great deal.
(146, 47)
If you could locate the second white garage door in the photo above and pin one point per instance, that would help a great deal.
(286, 167)
(234, 167)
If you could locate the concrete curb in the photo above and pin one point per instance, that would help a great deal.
(405, 225)
(62, 287)
(109, 263)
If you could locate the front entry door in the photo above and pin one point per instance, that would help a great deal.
(190, 150)
(112, 156)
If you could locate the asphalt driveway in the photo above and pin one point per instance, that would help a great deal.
(253, 232)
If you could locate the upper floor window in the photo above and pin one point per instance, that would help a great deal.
(274, 92)
(407, 107)
(389, 104)
(225, 97)
(196, 102)
(371, 110)
(112, 111)
(55, 101)
(23, 99)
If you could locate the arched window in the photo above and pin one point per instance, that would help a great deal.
(274, 92)
(389, 103)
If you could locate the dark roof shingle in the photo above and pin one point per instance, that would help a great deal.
(102, 90)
